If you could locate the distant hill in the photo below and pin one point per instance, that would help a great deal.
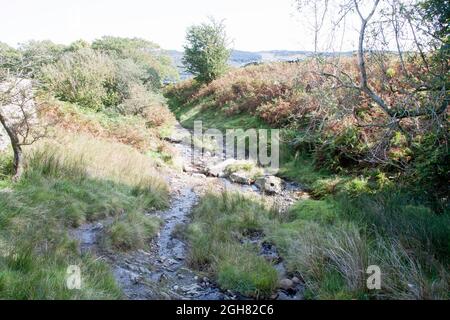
(241, 58)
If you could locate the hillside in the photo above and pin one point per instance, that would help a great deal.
(241, 58)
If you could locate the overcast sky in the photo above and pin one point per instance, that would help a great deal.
(252, 24)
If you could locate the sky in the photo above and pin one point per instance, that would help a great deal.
(252, 25)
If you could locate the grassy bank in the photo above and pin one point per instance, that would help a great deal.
(360, 214)
(71, 178)
(328, 243)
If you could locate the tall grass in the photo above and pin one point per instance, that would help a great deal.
(69, 181)
(330, 243)
(221, 223)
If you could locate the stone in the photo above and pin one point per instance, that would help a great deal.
(286, 284)
(135, 279)
(296, 280)
(270, 184)
(241, 177)
(98, 226)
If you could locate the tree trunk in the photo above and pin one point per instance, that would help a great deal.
(17, 148)
(18, 163)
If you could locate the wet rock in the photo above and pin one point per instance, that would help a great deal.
(270, 184)
(162, 277)
(143, 270)
(241, 177)
(135, 279)
(98, 226)
(284, 296)
(286, 284)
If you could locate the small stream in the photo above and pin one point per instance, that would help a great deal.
(161, 271)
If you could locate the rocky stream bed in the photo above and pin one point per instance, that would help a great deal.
(161, 271)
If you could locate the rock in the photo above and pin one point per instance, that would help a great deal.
(174, 139)
(176, 288)
(286, 284)
(162, 277)
(270, 184)
(98, 226)
(199, 175)
(217, 170)
(135, 279)
(143, 270)
(241, 177)
(284, 296)
(296, 280)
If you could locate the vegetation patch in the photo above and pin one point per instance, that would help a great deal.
(219, 228)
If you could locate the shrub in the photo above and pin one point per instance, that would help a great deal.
(342, 150)
(145, 55)
(80, 77)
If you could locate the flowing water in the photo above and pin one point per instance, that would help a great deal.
(161, 271)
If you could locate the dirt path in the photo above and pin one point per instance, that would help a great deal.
(161, 271)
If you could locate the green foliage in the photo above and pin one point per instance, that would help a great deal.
(320, 211)
(248, 274)
(132, 231)
(438, 12)
(206, 54)
(341, 151)
(37, 54)
(154, 65)
(220, 223)
(432, 166)
(33, 218)
(9, 57)
(80, 77)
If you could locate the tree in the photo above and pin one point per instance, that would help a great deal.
(317, 11)
(206, 54)
(401, 45)
(148, 56)
(18, 116)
